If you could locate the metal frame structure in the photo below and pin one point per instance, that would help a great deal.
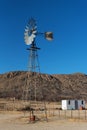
(33, 65)
(33, 58)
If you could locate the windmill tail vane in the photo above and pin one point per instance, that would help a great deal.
(49, 35)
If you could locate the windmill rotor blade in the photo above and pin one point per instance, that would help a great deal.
(31, 32)
(25, 34)
(26, 30)
(35, 27)
(34, 32)
(27, 27)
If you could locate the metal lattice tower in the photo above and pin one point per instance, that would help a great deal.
(30, 90)
(33, 58)
(33, 65)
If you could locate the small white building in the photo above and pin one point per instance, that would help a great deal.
(73, 104)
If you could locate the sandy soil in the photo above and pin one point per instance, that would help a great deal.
(20, 121)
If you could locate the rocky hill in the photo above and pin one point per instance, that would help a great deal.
(26, 85)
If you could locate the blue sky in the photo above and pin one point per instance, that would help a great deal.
(67, 19)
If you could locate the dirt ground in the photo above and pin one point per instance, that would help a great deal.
(11, 119)
(19, 121)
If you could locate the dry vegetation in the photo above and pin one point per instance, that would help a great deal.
(48, 87)
(13, 112)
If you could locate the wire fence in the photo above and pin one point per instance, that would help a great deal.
(52, 110)
(65, 114)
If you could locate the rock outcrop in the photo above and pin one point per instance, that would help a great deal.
(22, 85)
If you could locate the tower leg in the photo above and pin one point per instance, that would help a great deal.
(31, 85)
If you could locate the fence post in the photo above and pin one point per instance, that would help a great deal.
(59, 113)
(53, 108)
(65, 113)
(85, 114)
(49, 111)
(71, 114)
(79, 114)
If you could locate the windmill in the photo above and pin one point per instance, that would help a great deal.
(30, 34)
